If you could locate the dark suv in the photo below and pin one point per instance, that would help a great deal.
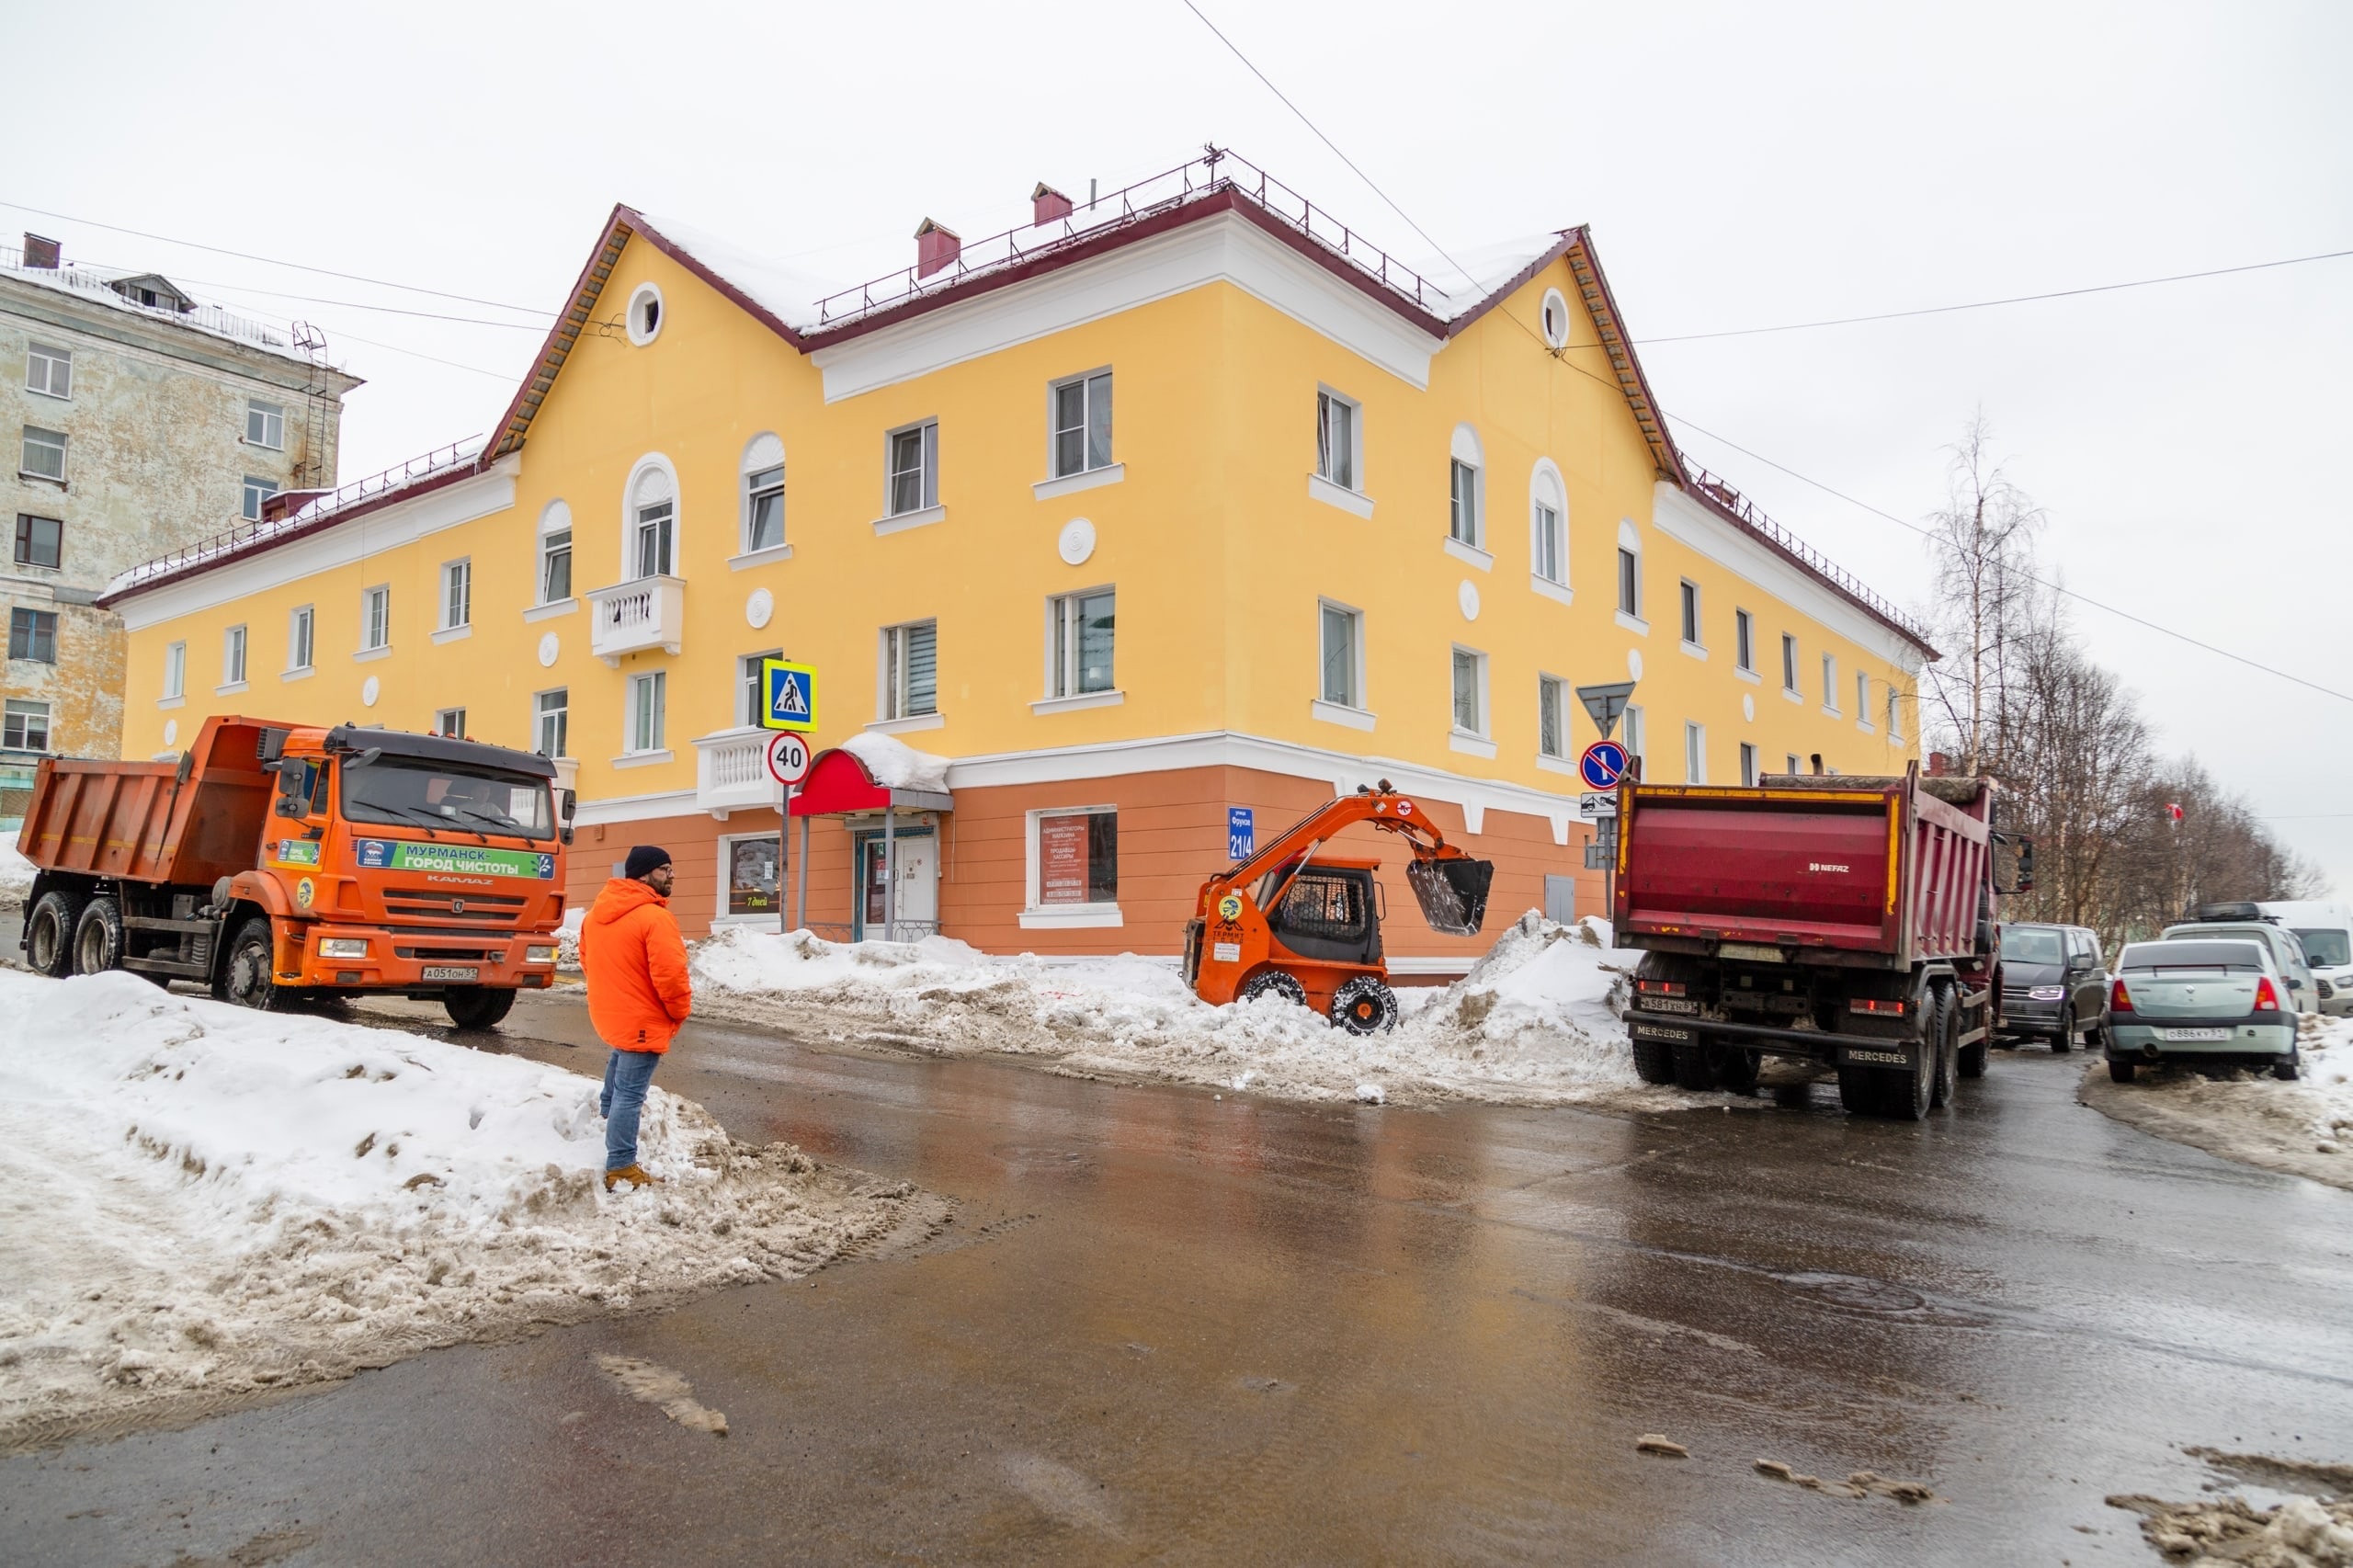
(2054, 985)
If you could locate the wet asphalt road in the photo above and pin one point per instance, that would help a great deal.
(1169, 1327)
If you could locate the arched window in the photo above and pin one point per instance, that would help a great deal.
(763, 492)
(1467, 484)
(649, 520)
(1547, 524)
(555, 552)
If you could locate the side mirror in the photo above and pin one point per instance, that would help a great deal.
(292, 806)
(568, 807)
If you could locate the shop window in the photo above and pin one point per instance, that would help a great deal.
(750, 868)
(1075, 858)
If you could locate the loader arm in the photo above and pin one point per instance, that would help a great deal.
(1452, 900)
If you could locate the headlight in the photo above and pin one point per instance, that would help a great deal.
(2046, 994)
(539, 955)
(343, 947)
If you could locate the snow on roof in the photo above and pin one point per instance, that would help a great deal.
(896, 765)
(1492, 268)
(785, 293)
(95, 284)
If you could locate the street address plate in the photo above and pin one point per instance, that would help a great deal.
(2185, 1036)
(450, 971)
(1750, 951)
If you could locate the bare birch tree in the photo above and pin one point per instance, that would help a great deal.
(1983, 554)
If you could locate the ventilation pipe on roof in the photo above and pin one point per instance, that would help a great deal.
(1818, 764)
(935, 247)
(40, 253)
(1047, 205)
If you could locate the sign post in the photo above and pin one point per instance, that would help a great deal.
(1606, 703)
(788, 763)
(1604, 764)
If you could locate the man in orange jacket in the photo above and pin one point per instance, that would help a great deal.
(638, 996)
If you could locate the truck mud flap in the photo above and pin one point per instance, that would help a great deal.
(1876, 1053)
(1665, 1033)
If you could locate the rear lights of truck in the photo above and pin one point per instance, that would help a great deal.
(2267, 1000)
(2119, 999)
(1875, 1007)
(343, 947)
(1660, 987)
(539, 955)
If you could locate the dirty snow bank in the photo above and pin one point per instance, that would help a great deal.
(16, 875)
(1532, 1023)
(2302, 1532)
(200, 1202)
(2303, 1127)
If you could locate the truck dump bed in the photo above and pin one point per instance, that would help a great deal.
(151, 821)
(1885, 870)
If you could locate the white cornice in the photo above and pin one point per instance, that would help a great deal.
(1226, 248)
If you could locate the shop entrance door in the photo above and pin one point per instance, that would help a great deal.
(918, 860)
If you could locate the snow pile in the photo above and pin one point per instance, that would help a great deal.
(1531, 1024)
(894, 765)
(2304, 1128)
(567, 939)
(199, 1202)
(2302, 1532)
(16, 875)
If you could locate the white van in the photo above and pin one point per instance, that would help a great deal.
(2325, 928)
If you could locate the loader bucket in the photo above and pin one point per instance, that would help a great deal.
(1453, 894)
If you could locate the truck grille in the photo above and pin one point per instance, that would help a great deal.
(432, 904)
(452, 955)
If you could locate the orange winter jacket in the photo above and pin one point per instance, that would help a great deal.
(636, 967)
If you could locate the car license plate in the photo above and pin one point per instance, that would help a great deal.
(1669, 1005)
(2188, 1035)
(1751, 951)
(450, 971)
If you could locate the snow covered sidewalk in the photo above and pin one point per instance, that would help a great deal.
(199, 1202)
(1531, 1024)
(2303, 1127)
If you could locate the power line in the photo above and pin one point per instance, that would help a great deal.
(272, 261)
(2012, 299)
(357, 305)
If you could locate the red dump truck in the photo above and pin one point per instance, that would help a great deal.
(275, 862)
(1840, 920)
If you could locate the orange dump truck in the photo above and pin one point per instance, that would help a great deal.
(277, 861)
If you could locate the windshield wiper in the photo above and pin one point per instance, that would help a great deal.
(506, 825)
(425, 823)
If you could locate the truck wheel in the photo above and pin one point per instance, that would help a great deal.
(1364, 1005)
(1694, 1068)
(1907, 1094)
(1653, 1062)
(249, 979)
(1970, 1061)
(1859, 1091)
(1945, 1079)
(2065, 1041)
(1273, 983)
(480, 1006)
(2119, 1072)
(97, 938)
(49, 932)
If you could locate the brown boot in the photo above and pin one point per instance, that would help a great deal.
(634, 1174)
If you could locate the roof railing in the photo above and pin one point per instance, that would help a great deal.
(1744, 512)
(211, 318)
(1216, 170)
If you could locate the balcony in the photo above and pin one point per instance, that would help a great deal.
(637, 618)
(731, 771)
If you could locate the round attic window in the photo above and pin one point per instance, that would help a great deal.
(644, 319)
(1555, 317)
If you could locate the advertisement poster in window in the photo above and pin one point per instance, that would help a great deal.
(1061, 860)
(751, 876)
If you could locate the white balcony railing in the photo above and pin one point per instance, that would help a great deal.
(636, 617)
(731, 771)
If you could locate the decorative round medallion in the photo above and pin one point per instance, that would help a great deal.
(368, 691)
(759, 609)
(1748, 708)
(1467, 596)
(171, 731)
(1634, 664)
(548, 649)
(1077, 541)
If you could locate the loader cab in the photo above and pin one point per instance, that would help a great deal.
(1330, 910)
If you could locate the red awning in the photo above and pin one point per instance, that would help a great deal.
(839, 783)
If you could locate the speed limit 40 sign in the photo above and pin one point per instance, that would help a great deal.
(788, 757)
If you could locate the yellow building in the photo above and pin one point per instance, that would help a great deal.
(1177, 505)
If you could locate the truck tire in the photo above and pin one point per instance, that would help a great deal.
(1364, 1005)
(2063, 1041)
(1653, 1062)
(1736, 1068)
(480, 1006)
(1970, 1063)
(248, 976)
(1273, 983)
(1947, 1060)
(1694, 1068)
(48, 932)
(97, 938)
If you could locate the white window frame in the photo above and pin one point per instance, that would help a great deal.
(652, 482)
(1088, 381)
(1466, 496)
(927, 498)
(541, 712)
(376, 619)
(1355, 701)
(175, 672)
(1749, 765)
(1789, 666)
(1477, 661)
(256, 496)
(555, 518)
(61, 444)
(1797, 764)
(1895, 714)
(1691, 609)
(24, 708)
(457, 594)
(1863, 699)
(645, 713)
(1627, 578)
(1743, 642)
(302, 639)
(441, 722)
(1548, 495)
(1328, 468)
(1062, 645)
(1554, 319)
(1630, 736)
(1695, 752)
(234, 647)
(1037, 915)
(763, 455)
(48, 370)
(1830, 683)
(750, 679)
(642, 327)
(1552, 702)
(725, 866)
(893, 697)
(264, 424)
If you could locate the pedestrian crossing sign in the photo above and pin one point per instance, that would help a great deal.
(789, 693)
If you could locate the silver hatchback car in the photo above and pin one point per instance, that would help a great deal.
(2219, 1001)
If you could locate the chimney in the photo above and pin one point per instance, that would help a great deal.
(1939, 764)
(41, 254)
(935, 247)
(1047, 205)
(1818, 764)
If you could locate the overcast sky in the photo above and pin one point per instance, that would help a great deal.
(1742, 167)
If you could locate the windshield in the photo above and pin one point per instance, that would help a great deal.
(2029, 944)
(2329, 948)
(413, 792)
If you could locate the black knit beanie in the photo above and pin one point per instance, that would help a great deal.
(643, 859)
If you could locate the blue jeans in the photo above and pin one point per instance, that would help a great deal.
(627, 1075)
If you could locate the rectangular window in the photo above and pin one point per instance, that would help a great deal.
(1695, 753)
(649, 700)
(1793, 768)
(26, 727)
(298, 639)
(911, 670)
(257, 490)
(49, 371)
(1470, 692)
(764, 509)
(264, 424)
(1744, 640)
(1629, 584)
(1631, 734)
(1863, 697)
(1789, 663)
(44, 453)
(1749, 764)
(1082, 424)
(1462, 524)
(750, 865)
(32, 634)
(1079, 654)
(40, 541)
(451, 722)
(175, 671)
(1830, 681)
(551, 723)
(752, 700)
(1691, 612)
(375, 620)
(1551, 545)
(1336, 440)
(656, 528)
(1551, 717)
(457, 595)
(1077, 857)
(912, 477)
(1894, 722)
(555, 567)
(232, 656)
(1343, 633)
